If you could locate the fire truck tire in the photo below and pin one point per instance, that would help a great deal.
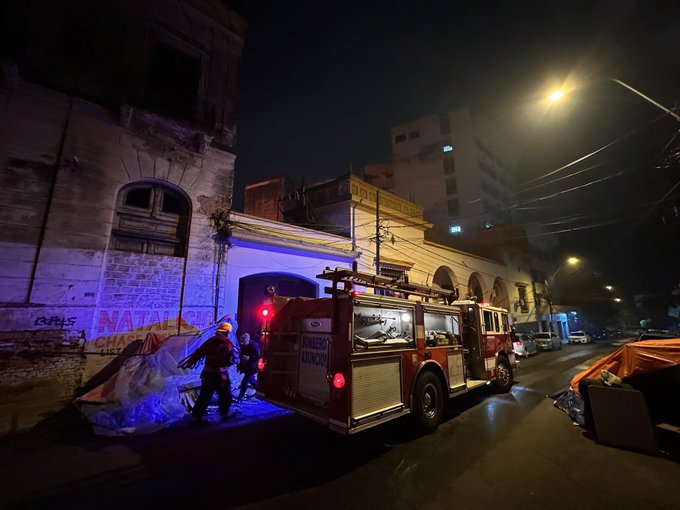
(503, 376)
(428, 402)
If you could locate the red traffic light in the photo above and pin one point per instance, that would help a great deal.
(265, 311)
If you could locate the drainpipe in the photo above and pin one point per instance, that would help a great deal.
(48, 205)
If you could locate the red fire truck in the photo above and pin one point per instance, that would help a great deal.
(356, 360)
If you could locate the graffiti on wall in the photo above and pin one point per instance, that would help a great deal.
(55, 320)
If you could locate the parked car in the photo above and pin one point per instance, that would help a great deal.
(600, 334)
(547, 341)
(614, 334)
(524, 345)
(579, 337)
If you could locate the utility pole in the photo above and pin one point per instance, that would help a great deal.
(377, 233)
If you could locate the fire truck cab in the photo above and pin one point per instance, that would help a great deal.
(356, 360)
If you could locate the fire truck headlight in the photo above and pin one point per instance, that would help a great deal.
(338, 381)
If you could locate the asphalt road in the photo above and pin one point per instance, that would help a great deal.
(510, 451)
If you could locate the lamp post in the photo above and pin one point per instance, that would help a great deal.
(570, 261)
(559, 94)
(667, 110)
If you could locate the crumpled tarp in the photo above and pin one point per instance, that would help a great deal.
(633, 359)
(149, 392)
(630, 360)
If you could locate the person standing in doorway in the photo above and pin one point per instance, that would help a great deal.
(218, 352)
(250, 354)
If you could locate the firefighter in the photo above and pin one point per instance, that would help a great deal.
(218, 351)
(250, 354)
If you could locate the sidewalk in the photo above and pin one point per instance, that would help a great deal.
(20, 413)
(60, 458)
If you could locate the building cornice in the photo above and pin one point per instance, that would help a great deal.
(365, 196)
(272, 233)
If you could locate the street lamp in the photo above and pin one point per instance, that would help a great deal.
(559, 94)
(570, 261)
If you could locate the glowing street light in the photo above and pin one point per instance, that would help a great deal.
(570, 261)
(609, 288)
(555, 96)
(617, 299)
(559, 94)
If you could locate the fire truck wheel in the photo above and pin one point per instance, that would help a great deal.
(428, 402)
(503, 376)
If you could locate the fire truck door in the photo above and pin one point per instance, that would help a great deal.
(472, 343)
(313, 366)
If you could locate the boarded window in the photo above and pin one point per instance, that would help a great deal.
(151, 218)
(173, 79)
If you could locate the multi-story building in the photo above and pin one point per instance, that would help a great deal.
(460, 168)
(457, 166)
(263, 197)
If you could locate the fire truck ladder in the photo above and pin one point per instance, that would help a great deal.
(348, 276)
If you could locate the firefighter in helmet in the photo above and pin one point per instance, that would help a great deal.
(218, 352)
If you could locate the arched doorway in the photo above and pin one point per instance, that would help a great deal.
(252, 294)
(476, 288)
(445, 278)
(499, 295)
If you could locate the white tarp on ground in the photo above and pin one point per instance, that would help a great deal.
(149, 392)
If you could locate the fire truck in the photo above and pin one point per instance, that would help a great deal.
(357, 359)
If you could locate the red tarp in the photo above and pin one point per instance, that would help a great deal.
(633, 359)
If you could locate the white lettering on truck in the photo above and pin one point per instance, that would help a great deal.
(314, 351)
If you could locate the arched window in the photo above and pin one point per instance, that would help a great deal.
(151, 218)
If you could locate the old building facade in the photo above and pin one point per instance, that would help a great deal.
(116, 161)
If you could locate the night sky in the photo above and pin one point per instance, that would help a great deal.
(322, 83)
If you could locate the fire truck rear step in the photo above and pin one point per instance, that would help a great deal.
(474, 383)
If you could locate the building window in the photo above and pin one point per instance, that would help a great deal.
(452, 205)
(172, 83)
(151, 218)
(413, 134)
(449, 167)
(522, 301)
(451, 187)
(400, 138)
(397, 275)
(444, 125)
